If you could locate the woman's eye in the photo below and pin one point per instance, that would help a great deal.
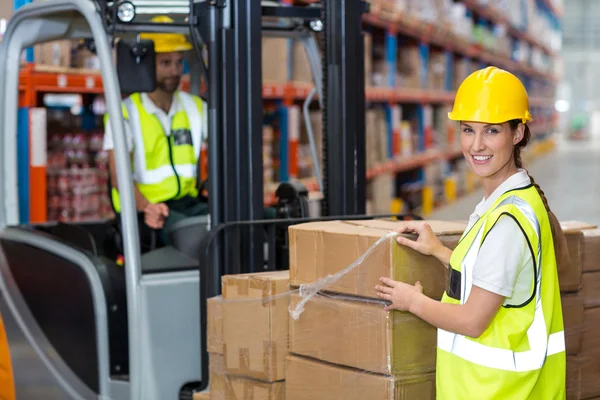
(467, 130)
(492, 131)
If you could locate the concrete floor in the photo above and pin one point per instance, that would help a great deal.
(569, 176)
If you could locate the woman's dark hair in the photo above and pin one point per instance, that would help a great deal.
(558, 237)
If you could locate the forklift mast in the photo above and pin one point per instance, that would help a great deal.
(231, 32)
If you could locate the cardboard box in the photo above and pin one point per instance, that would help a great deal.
(358, 333)
(590, 371)
(56, 53)
(590, 289)
(216, 377)
(591, 327)
(574, 365)
(591, 250)
(570, 278)
(201, 395)
(214, 325)
(437, 71)
(228, 387)
(318, 249)
(311, 380)
(255, 330)
(572, 308)
(301, 66)
(275, 60)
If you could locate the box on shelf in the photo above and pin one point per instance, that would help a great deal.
(335, 245)
(56, 53)
(274, 60)
(357, 333)
(310, 379)
(255, 326)
(437, 70)
(410, 68)
(380, 191)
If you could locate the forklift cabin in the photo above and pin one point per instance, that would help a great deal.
(81, 326)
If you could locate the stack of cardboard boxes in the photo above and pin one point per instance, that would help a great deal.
(580, 291)
(267, 342)
(342, 345)
(248, 337)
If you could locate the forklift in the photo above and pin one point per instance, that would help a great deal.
(77, 325)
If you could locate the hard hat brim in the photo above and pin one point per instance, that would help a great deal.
(173, 49)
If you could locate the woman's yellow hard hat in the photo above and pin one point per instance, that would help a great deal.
(167, 42)
(491, 95)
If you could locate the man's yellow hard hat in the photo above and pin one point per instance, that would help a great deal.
(167, 42)
(491, 95)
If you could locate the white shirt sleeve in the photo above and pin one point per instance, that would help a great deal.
(108, 138)
(504, 265)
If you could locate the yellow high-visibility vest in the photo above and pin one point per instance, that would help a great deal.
(521, 355)
(165, 166)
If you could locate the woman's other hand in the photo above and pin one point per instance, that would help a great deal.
(401, 295)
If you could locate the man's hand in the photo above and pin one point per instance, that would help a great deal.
(155, 215)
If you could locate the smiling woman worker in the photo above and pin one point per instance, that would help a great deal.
(500, 325)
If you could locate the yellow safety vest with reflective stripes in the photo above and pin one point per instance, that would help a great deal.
(165, 166)
(521, 355)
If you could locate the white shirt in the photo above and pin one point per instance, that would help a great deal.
(504, 264)
(151, 108)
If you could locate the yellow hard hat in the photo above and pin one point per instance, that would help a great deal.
(491, 95)
(167, 42)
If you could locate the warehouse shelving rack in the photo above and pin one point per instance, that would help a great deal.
(36, 79)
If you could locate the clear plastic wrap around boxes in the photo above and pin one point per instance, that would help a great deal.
(269, 341)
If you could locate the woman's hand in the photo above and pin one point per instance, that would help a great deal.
(401, 295)
(427, 242)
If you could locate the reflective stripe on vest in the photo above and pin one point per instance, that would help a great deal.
(541, 344)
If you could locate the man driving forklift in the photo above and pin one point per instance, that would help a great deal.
(164, 129)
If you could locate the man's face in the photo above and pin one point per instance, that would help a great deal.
(169, 69)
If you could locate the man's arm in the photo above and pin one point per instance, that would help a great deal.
(140, 201)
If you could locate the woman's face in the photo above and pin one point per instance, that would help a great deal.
(488, 148)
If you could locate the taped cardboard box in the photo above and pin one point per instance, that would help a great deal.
(214, 325)
(255, 327)
(229, 387)
(574, 364)
(590, 371)
(590, 289)
(569, 277)
(358, 333)
(216, 377)
(591, 250)
(275, 60)
(591, 328)
(201, 396)
(572, 309)
(314, 380)
(318, 249)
